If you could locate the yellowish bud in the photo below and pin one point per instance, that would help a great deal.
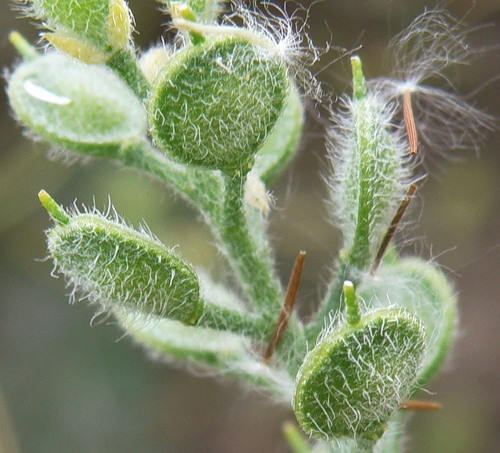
(119, 24)
(75, 47)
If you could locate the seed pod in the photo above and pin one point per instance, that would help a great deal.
(217, 102)
(420, 287)
(283, 142)
(106, 24)
(118, 267)
(353, 380)
(76, 106)
(370, 172)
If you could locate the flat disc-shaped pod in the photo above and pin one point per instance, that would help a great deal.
(120, 268)
(86, 108)
(356, 376)
(217, 102)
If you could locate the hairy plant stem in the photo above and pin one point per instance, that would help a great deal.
(253, 265)
(224, 319)
(332, 303)
(124, 63)
(201, 188)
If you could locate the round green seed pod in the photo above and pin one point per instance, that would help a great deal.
(85, 108)
(354, 379)
(118, 267)
(216, 103)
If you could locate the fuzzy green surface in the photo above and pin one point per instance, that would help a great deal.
(282, 143)
(352, 382)
(198, 346)
(216, 103)
(85, 108)
(77, 106)
(209, 350)
(88, 19)
(422, 288)
(116, 266)
(370, 175)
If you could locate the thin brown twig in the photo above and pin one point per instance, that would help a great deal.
(392, 227)
(287, 307)
(418, 405)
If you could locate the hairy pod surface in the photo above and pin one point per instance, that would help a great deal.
(283, 142)
(370, 172)
(76, 106)
(103, 23)
(353, 380)
(216, 103)
(421, 288)
(118, 267)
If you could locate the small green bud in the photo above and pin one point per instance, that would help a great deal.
(206, 11)
(353, 314)
(119, 26)
(216, 103)
(25, 49)
(358, 79)
(353, 380)
(118, 267)
(76, 106)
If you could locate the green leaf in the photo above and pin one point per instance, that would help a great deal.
(216, 104)
(72, 105)
(354, 379)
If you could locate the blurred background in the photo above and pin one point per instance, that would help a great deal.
(69, 386)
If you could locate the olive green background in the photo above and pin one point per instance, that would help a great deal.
(69, 386)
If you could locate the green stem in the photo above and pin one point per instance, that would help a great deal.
(124, 63)
(252, 264)
(200, 187)
(249, 259)
(25, 49)
(333, 303)
(225, 319)
(295, 439)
